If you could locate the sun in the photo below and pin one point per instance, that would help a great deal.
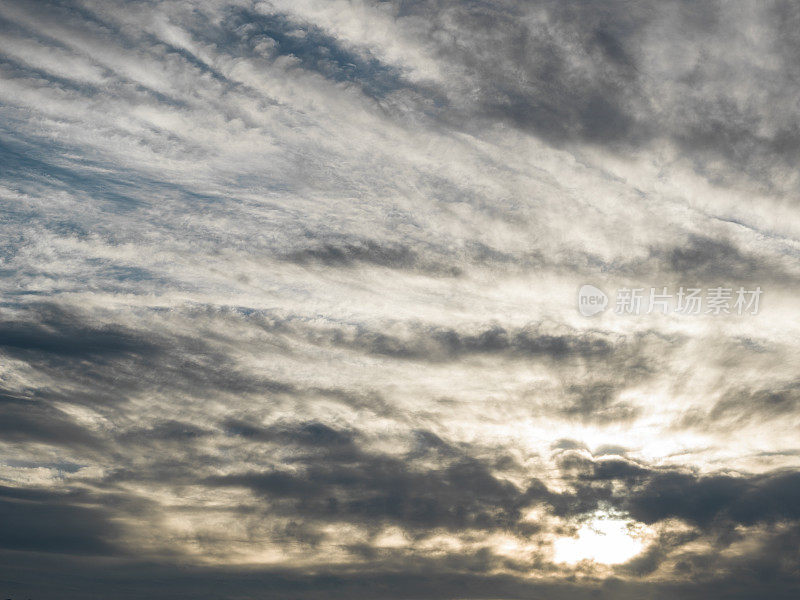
(604, 539)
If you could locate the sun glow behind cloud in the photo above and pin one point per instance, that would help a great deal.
(605, 539)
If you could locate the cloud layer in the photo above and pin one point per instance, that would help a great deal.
(289, 298)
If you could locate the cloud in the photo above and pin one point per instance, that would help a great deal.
(45, 521)
(56, 332)
(720, 499)
(287, 297)
(26, 420)
(344, 483)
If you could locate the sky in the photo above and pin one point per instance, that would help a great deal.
(388, 300)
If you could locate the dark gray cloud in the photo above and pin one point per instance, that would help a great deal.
(52, 331)
(532, 77)
(738, 406)
(113, 361)
(26, 420)
(597, 402)
(577, 72)
(131, 580)
(52, 522)
(704, 258)
(435, 344)
(307, 434)
(775, 401)
(653, 494)
(368, 252)
(345, 483)
(718, 500)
